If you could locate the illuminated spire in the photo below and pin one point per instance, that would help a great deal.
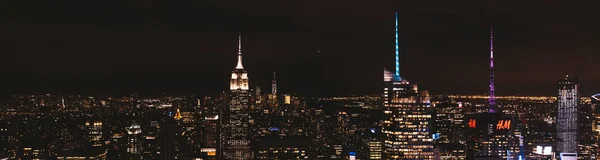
(492, 100)
(397, 49)
(177, 114)
(62, 101)
(274, 85)
(239, 64)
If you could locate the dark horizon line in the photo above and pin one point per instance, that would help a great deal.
(189, 93)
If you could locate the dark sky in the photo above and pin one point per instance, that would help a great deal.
(190, 45)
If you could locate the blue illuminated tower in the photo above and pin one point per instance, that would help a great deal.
(407, 120)
(397, 50)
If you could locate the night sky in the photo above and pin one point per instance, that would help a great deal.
(318, 47)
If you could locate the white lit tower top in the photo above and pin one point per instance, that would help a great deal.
(239, 76)
(274, 85)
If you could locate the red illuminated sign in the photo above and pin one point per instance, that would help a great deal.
(503, 124)
(472, 123)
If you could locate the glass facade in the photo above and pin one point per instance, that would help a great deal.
(568, 103)
(407, 120)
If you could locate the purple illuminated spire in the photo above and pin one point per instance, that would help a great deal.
(492, 99)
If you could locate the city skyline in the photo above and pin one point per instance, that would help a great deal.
(309, 52)
(148, 80)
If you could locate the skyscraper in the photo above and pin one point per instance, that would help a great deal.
(235, 129)
(210, 136)
(371, 144)
(134, 140)
(492, 133)
(407, 117)
(568, 103)
(448, 121)
(94, 132)
(596, 121)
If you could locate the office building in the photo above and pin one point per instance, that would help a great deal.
(134, 140)
(371, 145)
(236, 117)
(94, 132)
(407, 119)
(448, 121)
(595, 100)
(567, 124)
(210, 136)
(170, 140)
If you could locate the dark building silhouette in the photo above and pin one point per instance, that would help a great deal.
(289, 147)
(169, 138)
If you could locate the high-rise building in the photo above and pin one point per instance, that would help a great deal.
(587, 145)
(210, 136)
(371, 145)
(449, 128)
(170, 140)
(448, 121)
(134, 143)
(407, 118)
(568, 103)
(5, 135)
(235, 129)
(287, 99)
(94, 132)
(273, 101)
(596, 121)
(491, 133)
(258, 98)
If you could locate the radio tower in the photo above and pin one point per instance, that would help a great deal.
(492, 99)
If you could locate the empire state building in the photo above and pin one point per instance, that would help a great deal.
(236, 144)
(239, 76)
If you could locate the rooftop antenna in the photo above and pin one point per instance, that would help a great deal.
(397, 49)
(239, 64)
(492, 99)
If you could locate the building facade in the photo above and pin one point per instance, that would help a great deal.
(568, 103)
(288, 147)
(407, 120)
(94, 132)
(235, 125)
(371, 145)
